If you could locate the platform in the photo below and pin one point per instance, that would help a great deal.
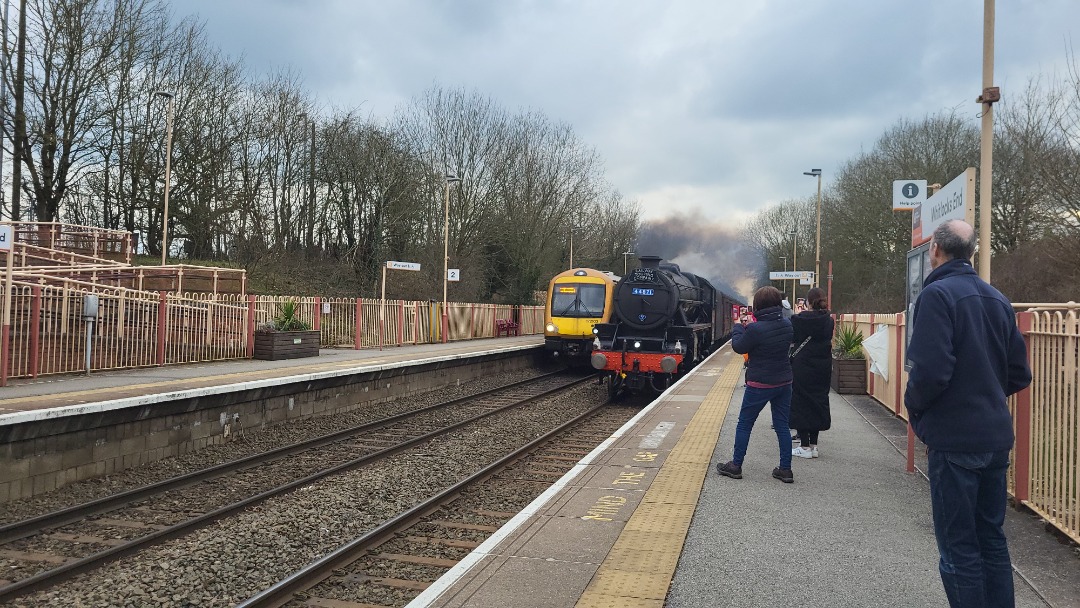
(644, 521)
(49, 396)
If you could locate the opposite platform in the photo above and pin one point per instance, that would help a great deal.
(26, 400)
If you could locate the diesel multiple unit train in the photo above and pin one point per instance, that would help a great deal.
(663, 322)
(576, 300)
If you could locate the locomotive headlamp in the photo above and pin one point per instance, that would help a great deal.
(551, 328)
(595, 331)
(637, 344)
(596, 343)
(678, 347)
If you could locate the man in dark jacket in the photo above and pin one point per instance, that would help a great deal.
(768, 380)
(967, 355)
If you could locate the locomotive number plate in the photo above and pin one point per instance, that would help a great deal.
(640, 291)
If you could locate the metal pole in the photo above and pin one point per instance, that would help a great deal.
(168, 169)
(446, 258)
(986, 148)
(794, 264)
(3, 94)
(571, 247)
(817, 247)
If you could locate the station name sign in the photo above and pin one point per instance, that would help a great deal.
(402, 266)
(956, 201)
(792, 275)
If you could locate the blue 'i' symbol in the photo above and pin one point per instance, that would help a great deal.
(911, 190)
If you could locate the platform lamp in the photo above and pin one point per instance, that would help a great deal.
(446, 254)
(794, 263)
(817, 247)
(168, 167)
(624, 258)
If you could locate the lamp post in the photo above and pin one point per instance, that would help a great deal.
(784, 258)
(625, 253)
(446, 254)
(168, 167)
(794, 263)
(817, 247)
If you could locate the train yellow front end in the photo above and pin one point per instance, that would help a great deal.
(576, 300)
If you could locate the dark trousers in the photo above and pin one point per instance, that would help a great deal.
(968, 494)
(754, 400)
(808, 438)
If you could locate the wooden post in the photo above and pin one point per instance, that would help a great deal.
(162, 326)
(35, 331)
(1022, 449)
(359, 326)
(251, 326)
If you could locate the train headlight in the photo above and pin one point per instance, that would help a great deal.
(637, 344)
(668, 364)
(551, 328)
(599, 360)
(595, 331)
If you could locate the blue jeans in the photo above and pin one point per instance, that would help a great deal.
(754, 400)
(967, 491)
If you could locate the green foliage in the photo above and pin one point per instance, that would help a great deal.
(847, 344)
(286, 319)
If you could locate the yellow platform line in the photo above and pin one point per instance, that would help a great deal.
(638, 570)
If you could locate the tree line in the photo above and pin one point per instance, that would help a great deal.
(259, 170)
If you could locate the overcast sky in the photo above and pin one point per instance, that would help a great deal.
(712, 107)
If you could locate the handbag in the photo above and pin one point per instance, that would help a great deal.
(792, 353)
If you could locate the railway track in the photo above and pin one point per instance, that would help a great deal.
(42, 551)
(394, 562)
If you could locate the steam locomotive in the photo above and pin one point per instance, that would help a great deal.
(665, 322)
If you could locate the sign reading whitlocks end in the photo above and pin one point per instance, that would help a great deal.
(908, 193)
(402, 265)
(956, 201)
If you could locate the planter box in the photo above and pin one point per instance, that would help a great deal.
(849, 376)
(274, 345)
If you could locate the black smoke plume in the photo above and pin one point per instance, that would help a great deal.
(713, 250)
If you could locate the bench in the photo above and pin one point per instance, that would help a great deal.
(505, 326)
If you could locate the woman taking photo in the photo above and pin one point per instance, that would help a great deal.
(811, 366)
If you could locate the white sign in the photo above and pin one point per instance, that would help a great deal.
(790, 275)
(402, 266)
(908, 194)
(956, 201)
(806, 281)
(7, 236)
(453, 274)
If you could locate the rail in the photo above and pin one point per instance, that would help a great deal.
(84, 240)
(1045, 472)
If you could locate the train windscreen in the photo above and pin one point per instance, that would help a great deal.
(577, 300)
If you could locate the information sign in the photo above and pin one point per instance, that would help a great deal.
(908, 194)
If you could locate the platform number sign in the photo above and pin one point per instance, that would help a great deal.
(6, 236)
(908, 194)
(453, 274)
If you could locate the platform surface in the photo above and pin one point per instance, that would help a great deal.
(29, 399)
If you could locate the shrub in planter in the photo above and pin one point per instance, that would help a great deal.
(849, 361)
(286, 336)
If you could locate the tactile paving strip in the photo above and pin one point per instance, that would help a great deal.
(638, 570)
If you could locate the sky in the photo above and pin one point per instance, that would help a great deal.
(712, 106)
(704, 111)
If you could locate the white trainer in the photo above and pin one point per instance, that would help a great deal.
(802, 452)
(813, 450)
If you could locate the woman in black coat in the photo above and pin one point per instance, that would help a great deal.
(811, 367)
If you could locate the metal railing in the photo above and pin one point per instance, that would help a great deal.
(85, 240)
(138, 328)
(1045, 470)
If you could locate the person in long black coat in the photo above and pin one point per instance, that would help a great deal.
(811, 368)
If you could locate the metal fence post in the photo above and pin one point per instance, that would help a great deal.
(1022, 449)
